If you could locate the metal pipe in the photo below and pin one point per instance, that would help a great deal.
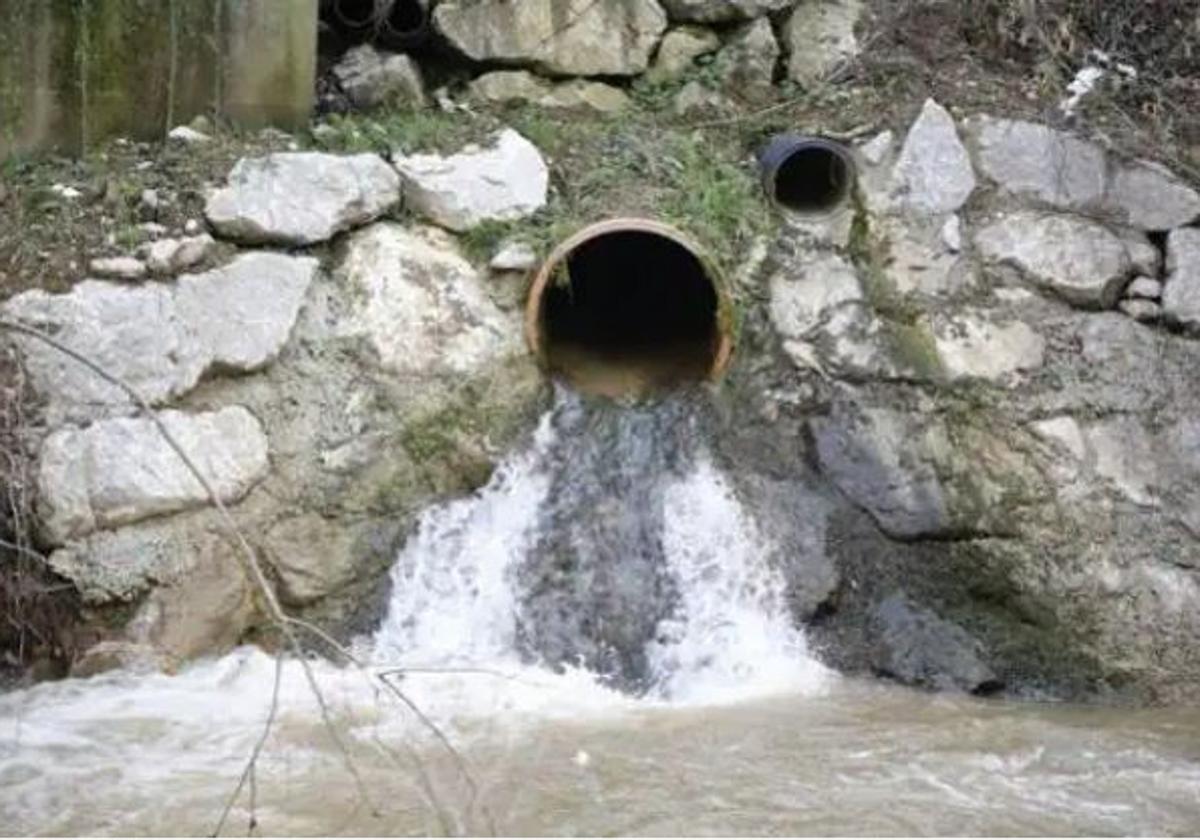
(810, 175)
(627, 306)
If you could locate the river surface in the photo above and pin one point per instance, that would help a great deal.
(737, 728)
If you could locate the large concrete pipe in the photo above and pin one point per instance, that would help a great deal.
(809, 175)
(627, 307)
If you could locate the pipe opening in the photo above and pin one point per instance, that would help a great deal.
(355, 14)
(807, 175)
(628, 307)
(407, 19)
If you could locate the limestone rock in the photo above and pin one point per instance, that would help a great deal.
(1145, 287)
(933, 173)
(521, 86)
(1081, 261)
(804, 295)
(242, 314)
(917, 647)
(721, 11)
(118, 268)
(886, 462)
(504, 182)
(923, 476)
(746, 64)
(188, 136)
(919, 259)
(1181, 295)
(1149, 197)
(974, 345)
(371, 78)
(877, 150)
(160, 339)
(301, 198)
(313, 557)
(1140, 309)
(819, 38)
(170, 256)
(1030, 159)
(423, 307)
(679, 50)
(514, 256)
(134, 333)
(120, 471)
(566, 37)
(204, 613)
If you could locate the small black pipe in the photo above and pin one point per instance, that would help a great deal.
(357, 16)
(405, 26)
(806, 174)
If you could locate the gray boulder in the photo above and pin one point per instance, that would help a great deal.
(746, 64)
(1149, 197)
(1181, 295)
(120, 471)
(679, 50)
(508, 180)
(423, 308)
(974, 344)
(170, 256)
(805, 294)
(159, 339)
(301, 198)
(1081, 261)
(917, 647)
(118, 268)
(920, 476)
(371, 78)
(933, 173)
(819, 38)
(1033, 160)
(556, 36)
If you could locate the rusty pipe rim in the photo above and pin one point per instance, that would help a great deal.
(725, 312)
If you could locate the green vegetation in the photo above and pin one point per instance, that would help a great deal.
(402, 131)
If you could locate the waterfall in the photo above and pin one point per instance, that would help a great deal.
(612, 544)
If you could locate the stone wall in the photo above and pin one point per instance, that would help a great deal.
(74, 72)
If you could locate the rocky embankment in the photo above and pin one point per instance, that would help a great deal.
(993, 358)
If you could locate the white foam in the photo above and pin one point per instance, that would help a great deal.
(732, 637)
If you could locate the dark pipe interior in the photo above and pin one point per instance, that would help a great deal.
(812, 179)
(638, 311)
(356, 14)
(407, 17)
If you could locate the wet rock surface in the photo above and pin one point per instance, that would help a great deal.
(990, 422)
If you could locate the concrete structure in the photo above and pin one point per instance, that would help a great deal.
(73, 72)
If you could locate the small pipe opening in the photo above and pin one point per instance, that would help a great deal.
(407, 17)
(628, 307)
(355, 14)
(807, 175)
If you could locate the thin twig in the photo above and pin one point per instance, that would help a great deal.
(258, 748)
